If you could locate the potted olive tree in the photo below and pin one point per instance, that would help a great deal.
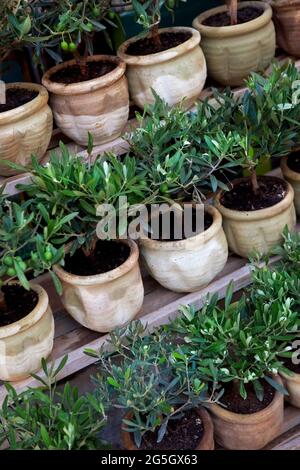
(160, 398)
(167, 60)
(257, 208)
(26, 321)
(286, 14)
(183, 157)
(101, 279)
(25, 117)
(237, 349)
(237, 39)
(88, 93)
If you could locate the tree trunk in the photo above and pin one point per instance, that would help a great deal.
(254, 182)
(232, 9)
(155, 36)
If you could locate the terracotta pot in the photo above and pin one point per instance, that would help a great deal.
(292, 384)
(25, 130)
(104, 301)
(206, 443)
(248, 431)
(99, 106)
(286, 14)
(294, 179)
(25, 342)
(258, 230)
(190, 264)
(177, 73)
(233, 52)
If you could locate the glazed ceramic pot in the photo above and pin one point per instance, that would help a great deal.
(248, 431)
(258, 230)
(99, 106)
(206, 443)
(105, 301)
(233, 52)
(286, 14)
(294, 179)
(25, 130)
(25, 342)
(174, 74)
(186, 265)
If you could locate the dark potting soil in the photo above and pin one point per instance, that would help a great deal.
(233, 401)
(146, 46)
(242, 198)
(291, 366)
(16, 303)
(174, 235)
(16, 97)
(243, 16)
(182, 434)
(107, 255)
(73, 74)
(293, 162)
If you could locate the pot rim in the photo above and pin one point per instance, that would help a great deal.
(103, 278)
(27, 109)
(258, 214)
(33, 317)
(235, 30)
(163, 56)
(250, 418)
(208, 434)
(86, 86)
(292, 378)
(284, 4)
(287, 172)
(184, 244)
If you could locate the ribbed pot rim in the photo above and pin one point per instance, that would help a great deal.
(184, 244)
(86, 86)
(287, 172)
(257, 214)
(27, 109)
(247, 419)
(103, 278)
(235, 30)
(164, 56)
(30, 319)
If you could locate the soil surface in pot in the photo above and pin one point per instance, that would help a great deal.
(242, 198)
(16, 97)
(243, 16)
(107, 255)
(73, 73)
(233, 401)
(16, 303)
(291, 366)
(293, 162)
(182, 434)
(147, 46)
(178, 232)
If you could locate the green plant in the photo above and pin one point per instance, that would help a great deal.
(68, 25)
(45, 418)
(183, 153)
(144, 377)
(239, 343)
(25, 242)
(148, 13)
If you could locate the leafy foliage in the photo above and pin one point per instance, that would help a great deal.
(45, 418)
(148, 12)
(147, 376)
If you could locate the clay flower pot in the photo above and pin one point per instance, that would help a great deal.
(258, 230)
(248, 431)
(99, 106)
(232, 52)
(105, 301)
(292, 385)
(190, 264)
(25, 130)
(206, 443)
(294, 179)
(25, 342)
(286, 14)
(174, 74)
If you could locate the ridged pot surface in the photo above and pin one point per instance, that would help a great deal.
(286, 14)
